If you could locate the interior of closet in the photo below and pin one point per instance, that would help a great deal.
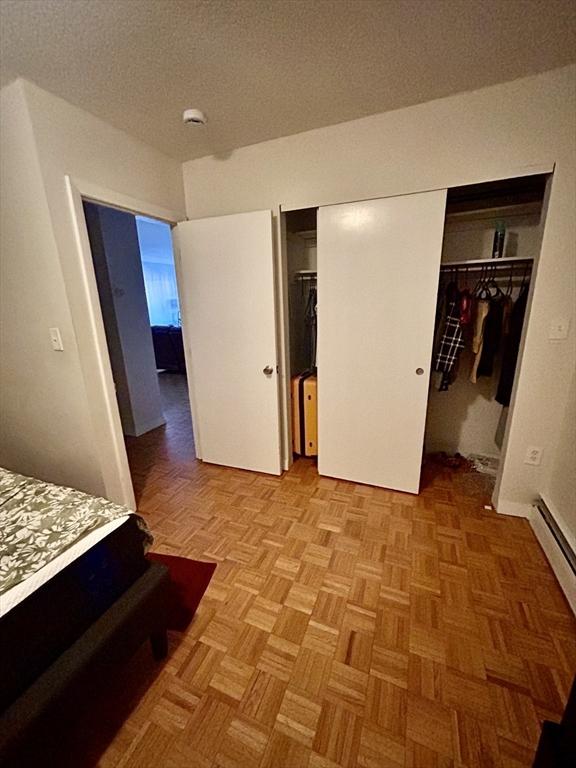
(302, 300)
(491, 245)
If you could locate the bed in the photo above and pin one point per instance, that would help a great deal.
(77, 597)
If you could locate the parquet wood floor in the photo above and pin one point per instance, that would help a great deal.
(345, 625)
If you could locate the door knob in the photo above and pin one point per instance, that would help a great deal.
(268, 370)
(419, 371)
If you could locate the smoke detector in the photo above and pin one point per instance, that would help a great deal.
(194, 117)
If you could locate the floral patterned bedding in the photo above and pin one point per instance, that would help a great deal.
(38, 521)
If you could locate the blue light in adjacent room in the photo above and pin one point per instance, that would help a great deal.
(157, 257)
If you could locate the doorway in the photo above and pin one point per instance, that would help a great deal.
(136, 280)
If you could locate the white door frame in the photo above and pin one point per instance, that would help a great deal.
(183, 300)
(283, 338)
(104, 411)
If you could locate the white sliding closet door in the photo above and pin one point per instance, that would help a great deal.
(226, 285)
(378, 267)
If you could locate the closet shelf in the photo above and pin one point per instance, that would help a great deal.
(305, 274)
(479, 263)
(496, 212)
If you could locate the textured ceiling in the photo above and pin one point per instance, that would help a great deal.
(267, 68)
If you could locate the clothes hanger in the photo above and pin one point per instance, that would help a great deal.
(491, 283)
(479, 289)
(478, 283)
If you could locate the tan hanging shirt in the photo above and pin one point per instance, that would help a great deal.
(482, 309)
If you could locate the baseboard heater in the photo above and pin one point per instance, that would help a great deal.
(554, 529)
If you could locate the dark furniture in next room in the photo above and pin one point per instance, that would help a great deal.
(169, 348)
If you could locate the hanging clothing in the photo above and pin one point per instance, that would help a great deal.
(310, 315)
(492, 337)
(466, 304)
(440, 319)
(507, 309)
(482, 310)
(511, 348)
(451, 341)
(311, 320)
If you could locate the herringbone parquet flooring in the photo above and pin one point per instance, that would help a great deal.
(345, 625)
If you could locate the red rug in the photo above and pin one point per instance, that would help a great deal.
(190, 579)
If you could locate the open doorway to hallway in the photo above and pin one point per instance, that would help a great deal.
(137, 287)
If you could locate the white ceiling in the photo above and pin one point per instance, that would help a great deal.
(267, 68)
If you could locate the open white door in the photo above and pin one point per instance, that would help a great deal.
(226, 285)
(378, 267)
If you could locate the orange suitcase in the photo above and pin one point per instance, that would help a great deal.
(305, 414)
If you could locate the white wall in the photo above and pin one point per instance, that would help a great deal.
(118, 267)
(64, 435)
(44, 421)
(499, 131)
(560, 490)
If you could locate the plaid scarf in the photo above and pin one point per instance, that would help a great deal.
(451, 344)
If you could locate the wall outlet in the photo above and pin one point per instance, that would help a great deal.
(533, 456)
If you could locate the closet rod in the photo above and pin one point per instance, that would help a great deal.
(478, 268)
(506, 261)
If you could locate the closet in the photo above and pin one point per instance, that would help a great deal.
(468, 406)
(302, 302)
(379, 272)
(302, 281)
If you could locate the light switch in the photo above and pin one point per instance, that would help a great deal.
(56, 340)
(558, 329)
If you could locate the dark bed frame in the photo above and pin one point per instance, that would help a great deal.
(82, 625)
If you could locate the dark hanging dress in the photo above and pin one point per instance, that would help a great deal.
(511, 349)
